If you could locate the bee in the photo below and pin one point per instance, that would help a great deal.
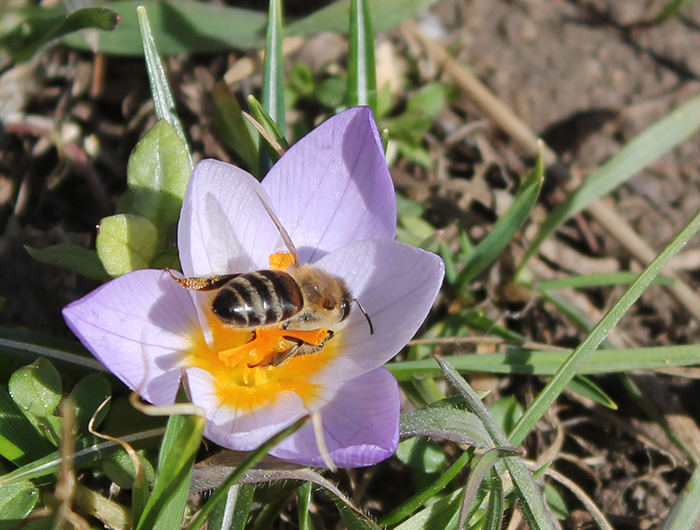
(302, 297)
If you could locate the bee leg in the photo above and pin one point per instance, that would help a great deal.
(203, 284)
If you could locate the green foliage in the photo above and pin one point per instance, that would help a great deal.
(272, 132)
(233, 128)
(37, 388)
(125, 243)
(119, 467)
(18, 500)
(24, 31)
(273, 85)
(157, 176)
(183, 26)
(161, 93)
(362, 73)
(88, 394)
(73, 258)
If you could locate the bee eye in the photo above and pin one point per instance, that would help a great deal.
(344, 309)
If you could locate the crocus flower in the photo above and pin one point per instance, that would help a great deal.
(333, 193)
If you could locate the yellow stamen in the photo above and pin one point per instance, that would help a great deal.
(250, 368)
(281, 260)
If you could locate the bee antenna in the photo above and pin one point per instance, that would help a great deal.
(369, 321)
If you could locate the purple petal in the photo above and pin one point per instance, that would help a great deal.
(360, 423)
(333, 186)
(397, 285)
(237, 429)
(138, 325)
(223, 225)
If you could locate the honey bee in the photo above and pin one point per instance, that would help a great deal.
(302, 297)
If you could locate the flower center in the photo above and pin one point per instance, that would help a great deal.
(271, 346)
(251, 368)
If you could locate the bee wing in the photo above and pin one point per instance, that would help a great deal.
(283, 232)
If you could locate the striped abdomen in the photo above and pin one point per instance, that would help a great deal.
(258, 298)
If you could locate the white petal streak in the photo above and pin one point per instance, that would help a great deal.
(138, 326)
(224, 227)
(397, 285)
(241, 429)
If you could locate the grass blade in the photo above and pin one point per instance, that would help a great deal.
(531, 498)
(505, 228)
(427, 493)
(247, 463)
(232, 127)
(158, 80)
(653, 142)
(362, 73)
(573, 364)
(166, 506)
(531, 362)
(273, 79)
(685, 513)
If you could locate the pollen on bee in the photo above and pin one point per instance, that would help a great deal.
(281, 260)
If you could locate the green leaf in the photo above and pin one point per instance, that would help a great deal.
(166, 504)
(270, 127)
(245, 464)
(181, 26)
(160, 87)
(429, 100)
(157, 175)
(493, 520)
(530, 497)
(427, 493)
(548, 362)
(71, 257)
(120, 469)
(305, 493)
(385, 15)
(232, 126)
(443, 514)
(27, 346)
(352, 519)
(575, 361)
(587, 388)
(484, 465)
(89, 393)
(125, 243)
(505, 228)
(41, 26)
(670, 10)
(506, 412)
(556, 502)
(273, 80)
(685, 513)
(422, 454)
(18, 500)
(596, 280)
(653, 142)
(37, 388)
(450, 423)
(234, 509)
(87, 452)
(362, 73)
(20, 442)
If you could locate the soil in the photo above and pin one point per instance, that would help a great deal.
(586, 75)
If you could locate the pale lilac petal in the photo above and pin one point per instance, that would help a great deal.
(241, 430)
(397, 285)
(333, 186)
(138, 326)
(223, 225)
(360, 423)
